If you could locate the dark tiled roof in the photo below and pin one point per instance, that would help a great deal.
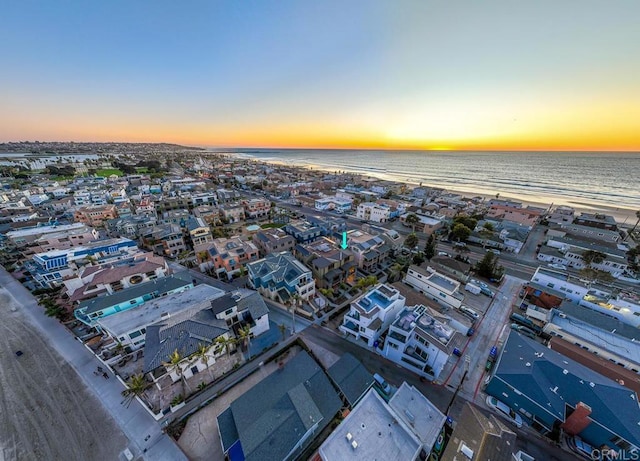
(351, 376)
(185, 337)
(553, 380)
(271, 417)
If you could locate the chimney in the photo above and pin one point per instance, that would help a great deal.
(578, 420)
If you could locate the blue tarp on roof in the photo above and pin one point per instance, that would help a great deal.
(235, 452)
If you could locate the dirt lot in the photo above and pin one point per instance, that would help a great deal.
(46, 412)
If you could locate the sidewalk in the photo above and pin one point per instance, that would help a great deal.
(145, 436)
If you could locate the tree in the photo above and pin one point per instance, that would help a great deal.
(418, 258)
(430, 247)
(395, 272)
(460, 232)
(203, 354)
(283, 330)
(412, 219)
(635, 225)
(136, 386)
(488, 266)
(224, 342)
(244, 336)
(590, 257)
(366, 282)
(595, 275)
(293, 303)
(174, 364)
(411, 241)
(466, 220)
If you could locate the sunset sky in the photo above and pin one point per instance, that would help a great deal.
(544, 74)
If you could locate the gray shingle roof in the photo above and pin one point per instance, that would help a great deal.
(185, 337)
(271, 417)
(351, 376)
(553, 380)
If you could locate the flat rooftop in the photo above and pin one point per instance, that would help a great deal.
(419, 413)
(375, 298)
(375, 430)
(194, 299)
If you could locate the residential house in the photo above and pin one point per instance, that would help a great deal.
(226, 256)
(480, 437)
(596, 332)
(210, 214)
(573, 249)
(427, 224)
(459, 270)
(280, 276)
(553, 393)
(95, 215)
(371, 253)
(90, 311)
(597, 220)
(440, 288)
(273, 240)
(232, 213)
(164, 239)
(129, 327)
(330, 264)
(407, 428)
(183, 334)
(39, 235)
(243, 308)
(256, 208)
(131, 227)
(300, 392)
(351, 377)
(92, 281)
(198, 231)
(561, 215)
(526, 216)
(371, 314)
(420, 340)
(48, 269)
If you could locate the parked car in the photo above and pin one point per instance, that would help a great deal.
(560, 267)
(524, 330)
(469, 312)
(504, 410)
(486, 291)
(443, 253)
(382, 384)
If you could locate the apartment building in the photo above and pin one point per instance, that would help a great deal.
(330, 264)
(273, 240)
(370, 252)
(256, 208)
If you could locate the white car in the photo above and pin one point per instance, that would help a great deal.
(561, 267)
(469, 312)
(504, 410)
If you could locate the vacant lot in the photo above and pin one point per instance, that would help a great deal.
(46, 411)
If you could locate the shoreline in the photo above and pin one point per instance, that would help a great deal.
(624, 216)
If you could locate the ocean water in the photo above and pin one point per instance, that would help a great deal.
(579, 179)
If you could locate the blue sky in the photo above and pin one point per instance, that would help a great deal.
(427, 74)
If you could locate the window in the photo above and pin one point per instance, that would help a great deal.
(135, 334)
(195, 370)
(393, 346)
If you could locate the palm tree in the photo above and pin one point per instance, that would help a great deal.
(174, 364)
(244, 335)
(412, 219)
(203, 354)
(295, 299)
(395, 272)
(635, 225)
(283, 329)
(136, 386)
(224, 342)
